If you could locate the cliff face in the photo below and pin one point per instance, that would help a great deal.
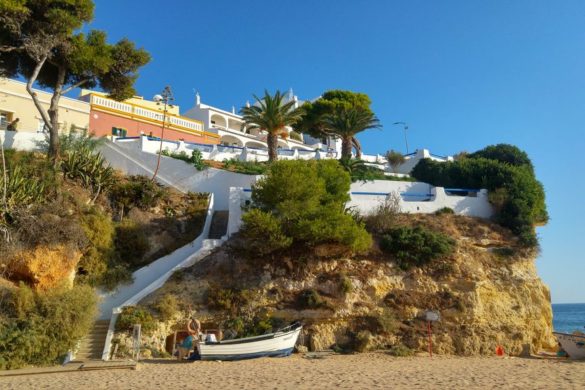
(488, 293)
(45, 267)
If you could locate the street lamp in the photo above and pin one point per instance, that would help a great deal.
(165, 98)
(405, 126)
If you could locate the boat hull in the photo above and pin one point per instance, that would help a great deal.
(273, 345)
(573, 344)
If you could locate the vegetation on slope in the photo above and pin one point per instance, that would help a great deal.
(356, 282)
(79, 220)
(302, 203)
(507, 173)
(39, 328)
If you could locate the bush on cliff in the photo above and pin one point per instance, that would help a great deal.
(132, 315)
(416, 246)
(302, 202)
(507, 173)
(38, 328)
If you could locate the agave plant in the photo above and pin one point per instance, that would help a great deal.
(89, 167)
(21, 188)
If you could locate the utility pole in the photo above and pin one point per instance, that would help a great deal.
(165, 98)
(405, 127)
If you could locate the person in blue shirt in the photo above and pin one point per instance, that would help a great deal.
(187, 345)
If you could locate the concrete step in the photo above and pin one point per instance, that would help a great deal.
(92, 345)
(219, 224)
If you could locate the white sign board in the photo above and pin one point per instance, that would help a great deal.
(432, 316)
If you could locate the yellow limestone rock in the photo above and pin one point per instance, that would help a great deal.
(45, 267)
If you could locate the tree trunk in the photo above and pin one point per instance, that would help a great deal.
(54, 117)
(272, 142)
(33, 94)
(358, 148)
(346, 147)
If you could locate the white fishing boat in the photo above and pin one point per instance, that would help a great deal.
(572, 344)
(280, 343)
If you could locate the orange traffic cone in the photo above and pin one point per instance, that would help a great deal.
(499, 350)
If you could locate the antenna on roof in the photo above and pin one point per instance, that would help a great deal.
(197, 97)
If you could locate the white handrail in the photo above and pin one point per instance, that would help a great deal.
(204, 246)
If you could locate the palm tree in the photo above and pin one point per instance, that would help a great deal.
(272, 115)
(346, 123)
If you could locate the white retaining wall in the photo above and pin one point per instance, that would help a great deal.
(415, 197)
(21, 140)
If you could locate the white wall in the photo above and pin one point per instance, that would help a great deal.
(128, 157)
(220, 152)
(366, 196)
(411, 160)
(417, 197)
(21, 140)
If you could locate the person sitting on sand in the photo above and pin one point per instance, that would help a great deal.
(193, 330)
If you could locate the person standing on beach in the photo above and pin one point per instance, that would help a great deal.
(193, 330)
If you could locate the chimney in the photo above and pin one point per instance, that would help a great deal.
(233, 109)
(197, 99)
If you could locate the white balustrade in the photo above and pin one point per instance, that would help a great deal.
(112, 104)
(145, 113)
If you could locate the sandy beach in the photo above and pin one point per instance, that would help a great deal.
(365, 371)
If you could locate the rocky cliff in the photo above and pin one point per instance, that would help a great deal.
(487, 292)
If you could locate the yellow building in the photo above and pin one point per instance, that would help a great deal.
(16, 103)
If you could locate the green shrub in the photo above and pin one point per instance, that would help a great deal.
(416, 246)
(132, 243)
(504, 153)
(382, 323)
(518, 197)
(362, 341)
(296, 136)
(384, 215)
(167, 307)
(395, 159)
(444, 210)
(504, 252)
(30, 179)
(303, 202)
(137, 191)
(345, 284)
(263, 232)
(400, 350)
(38, 328)
(196, 158)
(228, 299)
(100, 230)
(89, 167)
(132, 315)
(246, 167)
(310, 299)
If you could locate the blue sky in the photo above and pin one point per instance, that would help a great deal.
(463, 74)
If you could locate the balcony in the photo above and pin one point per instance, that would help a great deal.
(148, 115)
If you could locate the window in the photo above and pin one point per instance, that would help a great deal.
(3, 120)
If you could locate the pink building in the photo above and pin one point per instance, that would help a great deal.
(137, 116)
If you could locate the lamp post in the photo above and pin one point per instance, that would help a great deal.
(164, 98)
(405, 126)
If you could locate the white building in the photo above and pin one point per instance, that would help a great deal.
(230, 127)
